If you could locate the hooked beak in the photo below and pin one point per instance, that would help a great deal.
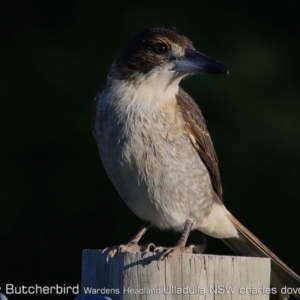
(196, 62)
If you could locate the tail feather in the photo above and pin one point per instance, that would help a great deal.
(249, 245)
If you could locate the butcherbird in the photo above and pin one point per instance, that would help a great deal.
(157, 151)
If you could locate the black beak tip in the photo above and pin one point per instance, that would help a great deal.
(221, 69)
(214, 67)
(227, 72)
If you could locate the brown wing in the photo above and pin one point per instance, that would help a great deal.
(200, 138)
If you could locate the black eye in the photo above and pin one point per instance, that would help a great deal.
(159, 48)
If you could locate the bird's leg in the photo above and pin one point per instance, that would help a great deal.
(132, 245)
(133, 242)
(180, 245)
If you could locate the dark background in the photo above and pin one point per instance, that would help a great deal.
(55, 197)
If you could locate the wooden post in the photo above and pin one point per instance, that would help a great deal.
(135, 276)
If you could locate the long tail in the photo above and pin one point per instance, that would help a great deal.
(249, 245)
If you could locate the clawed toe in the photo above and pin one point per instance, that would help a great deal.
(168, 252)
(160, 249)
(147, 247)
(130, 247)
(111, 251)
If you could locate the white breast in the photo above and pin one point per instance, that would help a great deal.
(148, 154)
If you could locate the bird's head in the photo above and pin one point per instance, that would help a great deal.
(164, 50)
(161, 56)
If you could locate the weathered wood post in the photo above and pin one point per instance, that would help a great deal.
(133, 276)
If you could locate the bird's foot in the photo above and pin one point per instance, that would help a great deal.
(168, 252)
(129, 247)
